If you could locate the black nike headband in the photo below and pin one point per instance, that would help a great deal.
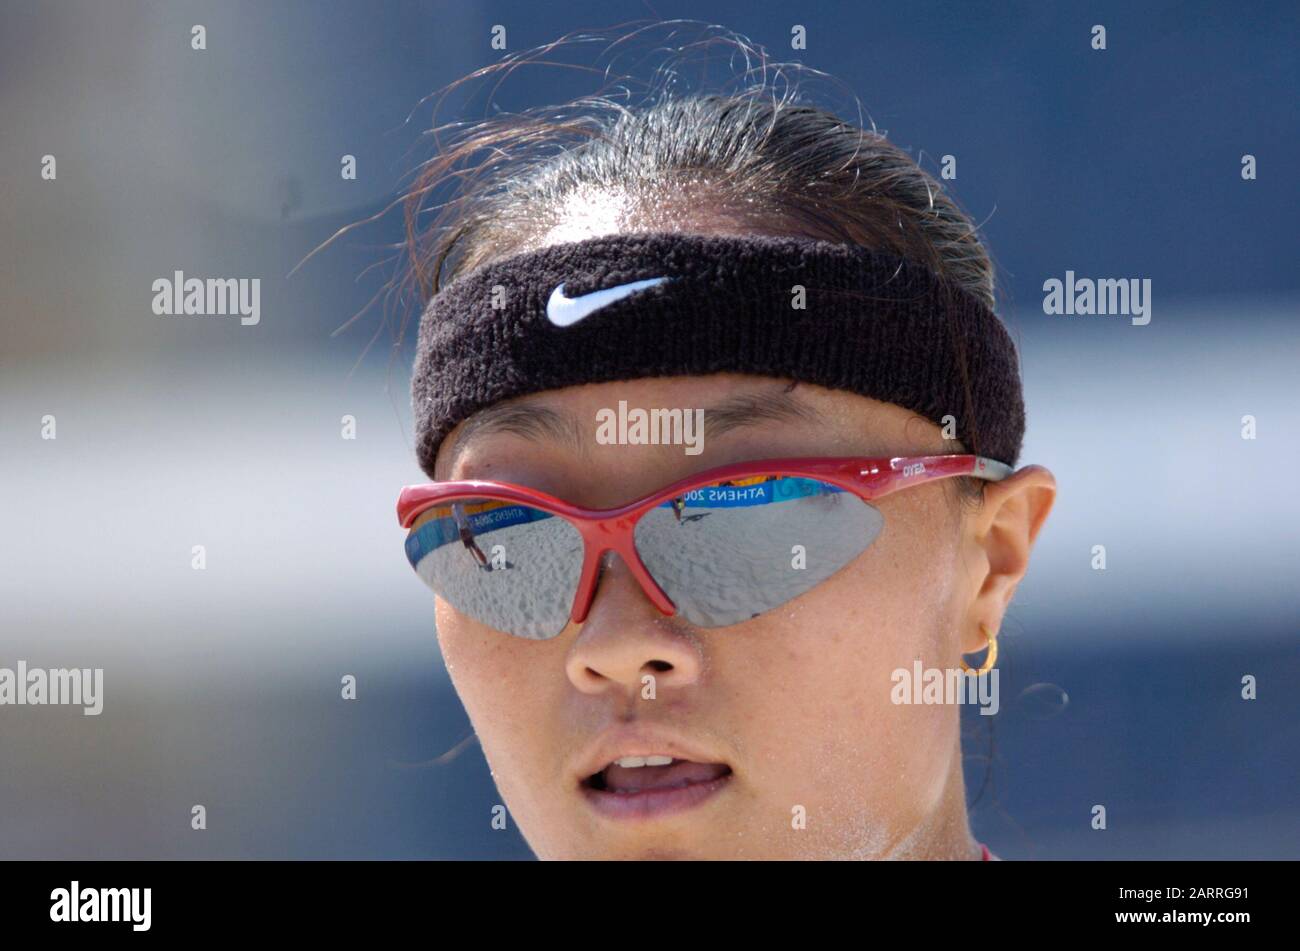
(628, 306)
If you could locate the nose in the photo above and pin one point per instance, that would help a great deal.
(625, 639)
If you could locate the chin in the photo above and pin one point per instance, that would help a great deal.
(647, 850)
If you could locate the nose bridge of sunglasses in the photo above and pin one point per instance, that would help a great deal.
(609, 545)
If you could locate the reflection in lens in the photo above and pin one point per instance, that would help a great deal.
(512, 567)
(727, 552)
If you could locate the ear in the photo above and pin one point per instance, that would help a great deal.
(1000, 539)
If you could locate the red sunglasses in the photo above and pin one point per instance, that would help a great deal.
(718, 547)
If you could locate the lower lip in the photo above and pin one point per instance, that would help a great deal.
(654, 803)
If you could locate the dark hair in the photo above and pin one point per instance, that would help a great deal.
(758, 155)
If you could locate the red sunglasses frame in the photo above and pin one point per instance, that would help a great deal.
(870, 478)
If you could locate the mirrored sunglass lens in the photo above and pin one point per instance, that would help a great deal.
(512, 567)
(727, 552)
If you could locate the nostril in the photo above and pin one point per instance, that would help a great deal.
(659, 665)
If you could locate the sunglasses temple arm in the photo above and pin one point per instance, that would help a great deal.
(918, 470)
(985, 468)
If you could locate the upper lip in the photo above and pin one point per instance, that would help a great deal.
(638, 741)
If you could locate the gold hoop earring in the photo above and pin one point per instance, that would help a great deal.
(990, 659)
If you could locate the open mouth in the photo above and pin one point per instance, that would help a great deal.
(645, 786)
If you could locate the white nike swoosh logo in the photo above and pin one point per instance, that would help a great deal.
(567, 311)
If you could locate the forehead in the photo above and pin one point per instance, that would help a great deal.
(733, 407)
(694, 204)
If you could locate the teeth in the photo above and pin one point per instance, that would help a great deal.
(635, 761)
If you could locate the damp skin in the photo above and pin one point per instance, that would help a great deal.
(795, 701)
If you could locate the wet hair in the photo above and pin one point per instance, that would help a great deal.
(757, 156)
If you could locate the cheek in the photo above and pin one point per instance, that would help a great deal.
(513, 690)
(461, 647)
(479, 661)
(817, 685)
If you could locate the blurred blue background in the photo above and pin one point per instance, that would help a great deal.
(223, 685)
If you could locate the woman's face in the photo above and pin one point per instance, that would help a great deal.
(796, 702)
